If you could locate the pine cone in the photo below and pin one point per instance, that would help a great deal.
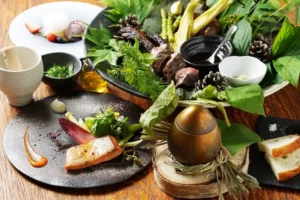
(130, 20)
(214, 79)
(260, 48)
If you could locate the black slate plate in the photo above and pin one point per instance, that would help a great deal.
(101, 18)
(259, 168)
(43, 122)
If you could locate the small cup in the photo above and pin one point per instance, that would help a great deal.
(21, 72)
(235, 66)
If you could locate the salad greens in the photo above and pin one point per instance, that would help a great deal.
(60, 71)
(106, 123)
(242, 38)
(136, 70)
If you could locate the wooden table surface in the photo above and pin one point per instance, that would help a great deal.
(15, 186)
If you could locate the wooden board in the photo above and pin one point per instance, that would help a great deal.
(190, 186)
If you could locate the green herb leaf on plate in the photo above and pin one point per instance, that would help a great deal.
(99, 36)
(284, 38)
(288, 68)
(242, 38)
(162, 107)
(237, 136)
(104, 55)
(136, 70)
(121, 9)
(210, 92)
(237, 8)
(248, 98)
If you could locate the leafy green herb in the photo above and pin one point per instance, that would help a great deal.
(59, 71)
(210, 92)
(236, 137)
(104, 55)
(99, 36)
(121, 9)
(242, 38)
(162, 107)
(136, 70)
(288, 68)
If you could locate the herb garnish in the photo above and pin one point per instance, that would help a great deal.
(136, 70)
(60, 71)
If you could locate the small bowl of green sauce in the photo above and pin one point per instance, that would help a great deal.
(61, 70)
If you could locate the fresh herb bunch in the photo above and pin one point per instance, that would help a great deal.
(106, 123)
(59, 71)
(121, 9)
(136, 70)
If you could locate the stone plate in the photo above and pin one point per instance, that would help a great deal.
(43, 124)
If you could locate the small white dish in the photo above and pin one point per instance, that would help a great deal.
(235, 66)
(19, 34)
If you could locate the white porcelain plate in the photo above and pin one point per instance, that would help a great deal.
(19, 34)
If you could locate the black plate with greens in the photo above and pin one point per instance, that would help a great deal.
(43, 126)
(101, 18)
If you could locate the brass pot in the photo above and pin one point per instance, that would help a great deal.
(195, 136)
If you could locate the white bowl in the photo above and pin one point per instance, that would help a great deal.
(235, 66)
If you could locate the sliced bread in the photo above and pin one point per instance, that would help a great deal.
(280, 146)
(285, 167)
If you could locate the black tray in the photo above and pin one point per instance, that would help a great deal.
(259, 168)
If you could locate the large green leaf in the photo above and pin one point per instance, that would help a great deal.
(104, 55)
(289, 68)
(237, 137)
(284, 38)
(248, 98)
(238, 9)
(242, 38)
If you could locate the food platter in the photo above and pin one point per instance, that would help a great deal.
(126, 87)
(43, 123)
(74, 10)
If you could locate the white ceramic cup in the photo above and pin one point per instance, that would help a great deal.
(21, 72)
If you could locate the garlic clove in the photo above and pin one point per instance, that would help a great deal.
(58, 106)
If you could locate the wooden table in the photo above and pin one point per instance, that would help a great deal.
(15, 186)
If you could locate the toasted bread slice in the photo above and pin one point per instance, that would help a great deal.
(285, 167)
(280, 146)
(92, 153)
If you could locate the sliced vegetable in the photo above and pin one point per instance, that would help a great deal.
(76, 132)
(185, 29)
(204, 19)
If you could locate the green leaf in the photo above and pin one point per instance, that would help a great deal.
(247, 98)
(288, 68)
(122, 8)
(294, 48)
(242, 38)
(238, 9)
(210, 92)
(99, 36)
(162, 107)
(104, 55)
(237, 136)
(284, 38)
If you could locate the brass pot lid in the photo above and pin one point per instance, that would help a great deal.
(195, 120)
